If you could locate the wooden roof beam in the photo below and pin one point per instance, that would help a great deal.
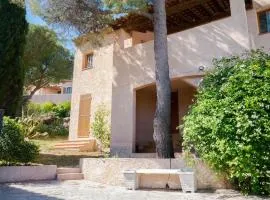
(184, 6)
(208, 9)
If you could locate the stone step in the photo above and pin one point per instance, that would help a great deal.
(73, 143)
(79, 145)
(64, 170)
(70, 176)
(71, 146)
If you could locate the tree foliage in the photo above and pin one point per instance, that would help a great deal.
(13, 147)
(12, 40)
(45, 59)
(229, 124)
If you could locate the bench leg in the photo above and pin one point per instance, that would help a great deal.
(137, 182)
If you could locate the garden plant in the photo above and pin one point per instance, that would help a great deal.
(229, 124)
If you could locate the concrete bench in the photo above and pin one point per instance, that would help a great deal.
(187, 178)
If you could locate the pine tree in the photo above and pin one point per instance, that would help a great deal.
(13, 30)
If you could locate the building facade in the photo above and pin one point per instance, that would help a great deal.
(120, 74)
(55, 93)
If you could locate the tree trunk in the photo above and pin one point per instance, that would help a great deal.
(28, 97)
(162, 120)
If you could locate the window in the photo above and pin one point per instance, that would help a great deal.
(68, 90)
(88, 61)
(264, 21)
(249, 4)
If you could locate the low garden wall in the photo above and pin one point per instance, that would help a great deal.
(11, 174)
(110, 171)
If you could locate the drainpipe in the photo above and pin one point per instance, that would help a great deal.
(2, 111)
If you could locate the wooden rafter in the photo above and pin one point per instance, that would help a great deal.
(181, 15)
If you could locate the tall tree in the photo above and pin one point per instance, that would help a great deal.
(12, 40)
(92, 16)
(45, 60)
(162, 120)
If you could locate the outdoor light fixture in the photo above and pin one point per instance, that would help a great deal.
(201, 68)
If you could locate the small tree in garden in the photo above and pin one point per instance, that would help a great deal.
(229, 125)
(45, 60)
(101, 125)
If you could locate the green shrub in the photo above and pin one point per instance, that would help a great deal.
(39, 109)
(229, 125)
(29, 125)
(62, 110)
(13, 147)
(32, 109)
(47, 107)
(45, 118)
(56, 128)
(101, 126)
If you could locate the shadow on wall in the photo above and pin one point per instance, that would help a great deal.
(187, 51)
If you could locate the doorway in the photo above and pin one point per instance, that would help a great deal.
(84, 116)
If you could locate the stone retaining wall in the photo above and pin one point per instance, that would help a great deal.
(13, 174)
(110, 171)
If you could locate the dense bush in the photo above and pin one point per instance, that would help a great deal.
(62, 110)
(229, 125)
(13, 147)
(29, 125)
(56, 128)
(45, 118)
(101, 126)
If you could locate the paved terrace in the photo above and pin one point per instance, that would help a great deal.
(85, 190)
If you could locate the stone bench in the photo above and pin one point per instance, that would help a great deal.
(187, 177)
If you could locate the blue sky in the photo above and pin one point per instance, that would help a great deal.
(33, 19)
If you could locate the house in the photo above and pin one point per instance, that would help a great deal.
(55, 93)
(121, 72)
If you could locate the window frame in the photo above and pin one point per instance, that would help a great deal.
(85, 61)
(258, 19)
(67, 90)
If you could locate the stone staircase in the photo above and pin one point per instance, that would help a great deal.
(64, 174)
(89, 145)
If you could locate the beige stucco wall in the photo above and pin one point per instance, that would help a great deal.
(134, 67)
(45, 91)
(54, 98)
(96, 81)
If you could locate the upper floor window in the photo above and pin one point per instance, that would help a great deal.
(88, 61)
(249, 4)
(264, 21)
(68, 90)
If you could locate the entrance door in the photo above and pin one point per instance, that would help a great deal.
(84, 116)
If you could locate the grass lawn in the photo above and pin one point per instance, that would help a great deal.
(61, 158)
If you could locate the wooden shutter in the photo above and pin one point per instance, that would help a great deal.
(84, 116)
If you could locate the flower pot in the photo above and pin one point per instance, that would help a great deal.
(188, 180)
(130, 179)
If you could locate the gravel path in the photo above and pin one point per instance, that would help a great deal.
(85, 190)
